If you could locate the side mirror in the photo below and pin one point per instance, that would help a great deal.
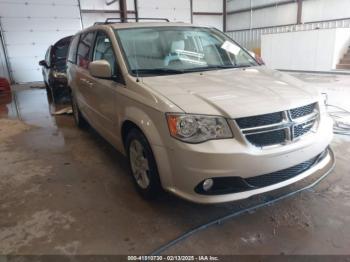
(43, 63)
(100, 69)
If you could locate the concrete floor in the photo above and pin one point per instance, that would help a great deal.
(66, 191)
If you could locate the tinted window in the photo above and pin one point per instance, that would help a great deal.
(72, 57)
(104, 51)
(84, 47)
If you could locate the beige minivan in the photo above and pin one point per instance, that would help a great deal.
(195, 113)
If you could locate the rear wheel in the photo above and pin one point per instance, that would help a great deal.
(142, 165)
(78, 117)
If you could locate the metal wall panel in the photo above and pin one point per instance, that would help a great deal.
(272, 16)
(234, 5)
(318, 10)
(30, 27)
(89, 19)
(178, 10)
(251, 39)
(98, 11)
(207, 6)
(208, 20)
(238, 21)
(98, 5)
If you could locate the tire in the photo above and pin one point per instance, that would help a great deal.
(142, 165)
(78, 117)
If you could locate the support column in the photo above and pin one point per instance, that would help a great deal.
(191, 10)
(123, 11)
(136, 11)
(224, 15)
(300, 11)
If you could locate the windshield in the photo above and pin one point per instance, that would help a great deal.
(169, 50)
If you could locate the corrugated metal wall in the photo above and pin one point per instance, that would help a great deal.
(281, 16)
(251, 39)
(208, 6)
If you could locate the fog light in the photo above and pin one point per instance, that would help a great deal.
(207, 184)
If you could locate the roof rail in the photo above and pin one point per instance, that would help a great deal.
(119, 20)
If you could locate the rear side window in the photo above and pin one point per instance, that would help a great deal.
(83, 57)
(72, 56)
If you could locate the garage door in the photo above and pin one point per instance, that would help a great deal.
(30, 27)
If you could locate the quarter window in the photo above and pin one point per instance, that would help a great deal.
(83, 57)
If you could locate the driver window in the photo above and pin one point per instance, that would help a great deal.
(104, 50)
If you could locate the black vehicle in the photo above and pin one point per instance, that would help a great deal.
(54, 70)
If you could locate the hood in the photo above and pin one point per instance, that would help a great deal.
(234, 92)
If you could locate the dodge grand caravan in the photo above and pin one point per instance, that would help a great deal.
(194, 112)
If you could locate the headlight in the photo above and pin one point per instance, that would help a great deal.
(197, 128)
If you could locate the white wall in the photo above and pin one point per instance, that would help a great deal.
(30, 27)
(315, 50)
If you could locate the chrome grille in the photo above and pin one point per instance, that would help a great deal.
(280, 127)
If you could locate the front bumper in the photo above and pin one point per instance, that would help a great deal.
(184, 166)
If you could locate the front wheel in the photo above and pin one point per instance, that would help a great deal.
(142, 165)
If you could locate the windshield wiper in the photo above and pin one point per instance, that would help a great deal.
(157, 71)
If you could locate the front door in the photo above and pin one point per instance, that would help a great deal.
(103, 98)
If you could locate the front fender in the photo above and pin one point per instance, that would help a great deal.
(153, 125)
